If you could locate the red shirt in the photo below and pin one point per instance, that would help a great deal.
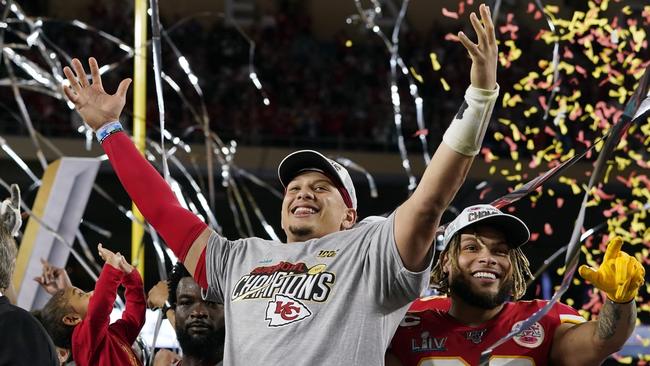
(94, 341)
(429, 336)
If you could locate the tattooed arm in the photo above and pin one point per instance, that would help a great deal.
(590, 343)
(619, 276)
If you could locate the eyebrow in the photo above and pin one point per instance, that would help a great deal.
(321, 180)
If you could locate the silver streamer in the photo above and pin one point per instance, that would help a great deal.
(56, 234)
(635, 110)
(368, 16)
(157, 72)
(356, 167)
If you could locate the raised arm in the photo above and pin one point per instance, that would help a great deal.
(620, 276)
(183, 232)
(101, 302)
(133, 316)
(417, 219)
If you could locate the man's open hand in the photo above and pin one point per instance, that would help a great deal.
(484, 55)
(53, 279)
(95, 106)
(619, 276)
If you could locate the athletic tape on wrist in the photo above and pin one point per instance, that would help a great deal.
(107, 130)
(465, 133)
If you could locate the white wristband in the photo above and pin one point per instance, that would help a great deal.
(465, 133)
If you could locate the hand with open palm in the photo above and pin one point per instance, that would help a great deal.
(95, 106)
(484, 54)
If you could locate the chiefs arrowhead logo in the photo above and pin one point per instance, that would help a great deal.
(283, 310)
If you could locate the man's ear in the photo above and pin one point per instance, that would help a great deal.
(350, 219)
(446, 262)
(71, 319)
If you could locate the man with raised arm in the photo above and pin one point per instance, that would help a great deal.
(483, 272)
(334, 294)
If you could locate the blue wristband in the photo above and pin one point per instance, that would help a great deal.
(108, 129)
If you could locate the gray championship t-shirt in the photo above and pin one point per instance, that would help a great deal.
(331, 301)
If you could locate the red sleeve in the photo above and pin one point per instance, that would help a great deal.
(199, 272)
(567, 314)
(133, 317)
(158, 204)
(94, 326)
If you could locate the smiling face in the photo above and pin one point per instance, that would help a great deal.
(313, 207)
(483, 275)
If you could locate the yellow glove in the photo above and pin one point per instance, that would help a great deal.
(619, 276)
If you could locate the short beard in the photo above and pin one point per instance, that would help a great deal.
(463, 289)
(301, 231)
(204, 347)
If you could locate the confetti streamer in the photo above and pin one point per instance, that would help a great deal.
(54, 233)
(635, 110)
(349, 164)
(157, 73)
(395, 61)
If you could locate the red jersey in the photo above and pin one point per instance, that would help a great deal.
(429, 336)
(94, 341)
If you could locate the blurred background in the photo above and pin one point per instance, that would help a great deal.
(319, 76)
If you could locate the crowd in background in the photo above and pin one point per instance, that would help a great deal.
(330, 93)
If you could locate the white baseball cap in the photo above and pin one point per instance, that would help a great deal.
(309, 160)
(515, 230)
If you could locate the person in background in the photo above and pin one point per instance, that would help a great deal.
(199, 323)
(79, 320)
(23, 339)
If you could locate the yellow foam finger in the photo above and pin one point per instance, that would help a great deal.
(622, 279)
(613, 248)
(588, 274)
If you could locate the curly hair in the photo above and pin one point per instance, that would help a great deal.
(520, 268)
(51, 316)
(178, 273)
(7, 257)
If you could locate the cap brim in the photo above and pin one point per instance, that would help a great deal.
(515, 230)
(302, 160)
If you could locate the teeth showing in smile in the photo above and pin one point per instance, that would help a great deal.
(304, 211)
(485, 275)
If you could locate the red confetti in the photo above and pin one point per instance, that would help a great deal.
(422, 132)
(484, 192)
(646, 15)
(549, 131)
(449, 14)
(534, 236)
(548, 229)
(604, 196)
(451, 37)
(531, 8)
(511, 144)
(567, 53)
(542, 102)
(509, 27)
(581, 138)
(559, 202)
